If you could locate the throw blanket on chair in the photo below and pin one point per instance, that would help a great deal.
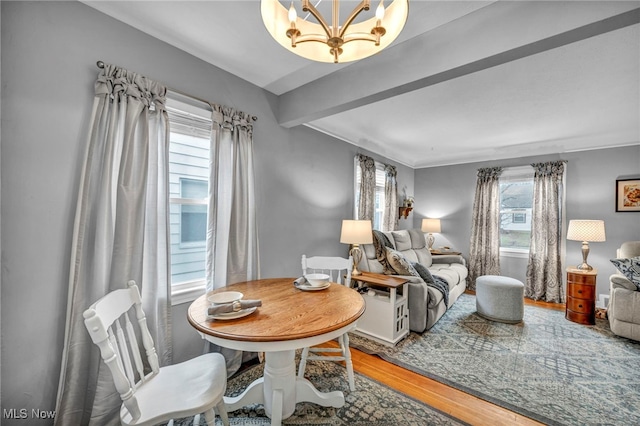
(380, 243)
(434, 281)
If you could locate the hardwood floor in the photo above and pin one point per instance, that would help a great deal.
(458, 404)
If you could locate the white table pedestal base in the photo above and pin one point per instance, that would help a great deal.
(279, 390)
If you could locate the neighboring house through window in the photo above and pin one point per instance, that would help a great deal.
(516, 200)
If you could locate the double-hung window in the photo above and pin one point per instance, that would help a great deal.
(189, 146)
(516, 200)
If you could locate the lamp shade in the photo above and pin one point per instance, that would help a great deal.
(356, 232)
(586, 230)
(431, 225)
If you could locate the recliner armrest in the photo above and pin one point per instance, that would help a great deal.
(449, 258)
(620, 281)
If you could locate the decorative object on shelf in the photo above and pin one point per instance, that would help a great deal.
(404, 211)
(356, 232)
(586, 231)
(430, 226)
(408, 202)
(628, 195)
(327, 42)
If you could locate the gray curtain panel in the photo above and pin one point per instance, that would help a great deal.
(120, 234)
(390, 217)
(545, 270)
(232, 233)
(367, 202)
(484, 253)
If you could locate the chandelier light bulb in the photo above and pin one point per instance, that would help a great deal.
(380, 11)
(292, 14)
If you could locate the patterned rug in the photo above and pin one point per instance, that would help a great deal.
(371, 404)
(546, 368)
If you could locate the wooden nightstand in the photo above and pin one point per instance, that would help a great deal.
(386, 318)
(581, 296)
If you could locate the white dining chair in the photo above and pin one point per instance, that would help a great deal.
(180, 390)
(339, 271)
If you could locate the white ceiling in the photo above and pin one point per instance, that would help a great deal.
(465, 81)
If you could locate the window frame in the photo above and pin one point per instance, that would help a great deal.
(513, 174)
(189, 290)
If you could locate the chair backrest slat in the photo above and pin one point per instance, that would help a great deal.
(133, 342)
(124, 353)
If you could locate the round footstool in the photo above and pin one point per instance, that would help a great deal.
(500, 298)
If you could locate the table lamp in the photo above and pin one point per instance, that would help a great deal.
(356, 232)
(585, 231)
(431, 225)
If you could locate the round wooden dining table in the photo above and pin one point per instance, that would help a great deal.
(288, 319)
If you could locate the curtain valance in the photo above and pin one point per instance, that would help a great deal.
(488, 174)
(228, 118)
(117, 82)
(550, 168)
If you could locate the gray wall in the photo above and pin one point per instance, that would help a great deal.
(49, 51)
(448, 192)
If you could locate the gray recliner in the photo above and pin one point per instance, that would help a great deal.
(624, 298)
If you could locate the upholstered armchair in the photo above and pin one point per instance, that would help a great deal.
(624, 298)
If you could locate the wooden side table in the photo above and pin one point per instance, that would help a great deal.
(435, 252)
(386, 317)
(581, 296)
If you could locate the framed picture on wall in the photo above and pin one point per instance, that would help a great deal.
(628, 195)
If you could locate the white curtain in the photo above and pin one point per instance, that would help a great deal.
(484, 253)
(367, 201)
(232, 237)
(390, 216)
(544, 270)
(120, 233)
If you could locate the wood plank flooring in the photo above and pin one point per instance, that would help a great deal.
(458, 404)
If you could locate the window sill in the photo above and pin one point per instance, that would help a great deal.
(188, 292)
(514, 252)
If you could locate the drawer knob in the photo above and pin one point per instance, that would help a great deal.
(579, 291)
(579, 306)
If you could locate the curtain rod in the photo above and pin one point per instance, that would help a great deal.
(100, 65)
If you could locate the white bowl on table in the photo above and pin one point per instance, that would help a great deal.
(225, 297)
(317, 280)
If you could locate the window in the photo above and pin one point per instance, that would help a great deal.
(193, 215)
(519, 218)
(516, 200)
(190, 132)
(379, 203)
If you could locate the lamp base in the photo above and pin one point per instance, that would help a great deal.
(356, 254)
(584, 267)
(430, 240)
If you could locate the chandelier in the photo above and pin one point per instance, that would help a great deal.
(335, 42)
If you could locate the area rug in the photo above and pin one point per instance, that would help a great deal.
(370, 404)
(546, 368)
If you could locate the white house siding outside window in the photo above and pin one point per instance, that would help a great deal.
(516, 200)
(379, 200)
(190, 134)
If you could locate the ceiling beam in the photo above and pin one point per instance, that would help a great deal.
(494, 35)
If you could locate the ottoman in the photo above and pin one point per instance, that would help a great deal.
(500, 298)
